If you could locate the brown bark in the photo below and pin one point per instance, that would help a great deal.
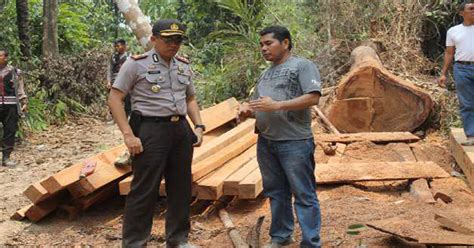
(23, 25)
(50, 28)
(372, 99)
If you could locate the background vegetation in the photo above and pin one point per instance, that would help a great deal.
(223, 46)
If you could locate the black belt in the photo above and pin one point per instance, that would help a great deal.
(465, 62)
(173, 118)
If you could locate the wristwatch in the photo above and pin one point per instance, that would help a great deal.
(200, 126)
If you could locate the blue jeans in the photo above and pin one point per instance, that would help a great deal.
(287, 168)
(464, 80)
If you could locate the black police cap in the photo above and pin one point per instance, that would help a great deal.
(169, 27)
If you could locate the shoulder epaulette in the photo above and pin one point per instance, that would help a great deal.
(139, 56)
(182, 59)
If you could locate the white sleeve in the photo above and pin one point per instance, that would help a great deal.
(450, 38)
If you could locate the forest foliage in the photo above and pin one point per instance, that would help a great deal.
(223, 44)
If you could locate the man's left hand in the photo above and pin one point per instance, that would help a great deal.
(24, 108)
(264, 104)
(199, 135)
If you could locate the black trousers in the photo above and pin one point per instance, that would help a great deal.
(168, 152)
(9, 119)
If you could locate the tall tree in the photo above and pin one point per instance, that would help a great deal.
(23, 27)
(137, 21)
(50, 28)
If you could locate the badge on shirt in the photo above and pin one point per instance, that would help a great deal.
(155, 58)
(180, 68)
(155, 88)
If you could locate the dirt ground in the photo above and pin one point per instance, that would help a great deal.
(45, 153)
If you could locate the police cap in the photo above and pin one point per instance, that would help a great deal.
(168, 27)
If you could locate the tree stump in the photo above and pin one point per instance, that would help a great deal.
(371, 99)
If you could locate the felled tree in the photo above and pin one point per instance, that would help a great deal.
(371, 99)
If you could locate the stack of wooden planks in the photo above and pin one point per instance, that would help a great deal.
(224, 165)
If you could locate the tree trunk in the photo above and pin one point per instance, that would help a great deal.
(23, 26)
(371, 99)
(50, 28)
(138, 22)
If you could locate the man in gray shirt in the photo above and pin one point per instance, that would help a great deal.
(285, 148)
(158, 137)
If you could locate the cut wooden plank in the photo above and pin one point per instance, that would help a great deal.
(370, 136)
(104, 174)
(21, 213)
(124, 185)
(38, 211)
(420, 190)
(454, 224)
(36, 193)
(98, 196)
(219, 114)
(251, 186)
(211, 187)
(419, 152)
(231, 184)
(464, 155)
(70, 175)
(377, 171)
(216, 160)
(412, 231)
(223, 141)
(403, 150)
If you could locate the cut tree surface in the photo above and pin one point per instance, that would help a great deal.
(412, 231)
(377, 171)
(377, 137)
(371, 99)
(464, 155)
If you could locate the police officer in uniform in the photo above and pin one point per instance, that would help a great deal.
(115, 63)
(13, 102)
(158, 135)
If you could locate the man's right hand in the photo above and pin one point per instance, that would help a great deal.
(442, 81)
(133, 144)
(244, 112)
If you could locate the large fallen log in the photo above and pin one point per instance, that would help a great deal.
(371, 99)
(377, 171)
